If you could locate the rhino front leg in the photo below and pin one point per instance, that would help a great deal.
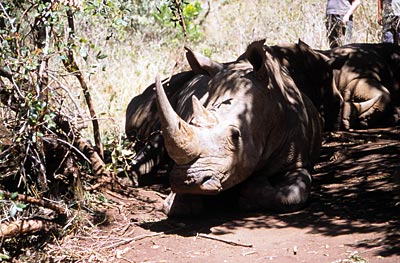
(149, 157)
(346, 110)
(283, 193)
(183, 205)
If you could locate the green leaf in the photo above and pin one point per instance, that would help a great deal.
(100, 56)
(13, 211)
(20, 206)
(120, 22)
(3, 256)
(14, 195)
(83, 52)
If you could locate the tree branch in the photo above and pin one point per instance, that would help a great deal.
(72, 67)
(104, 176)
(6, 74)
(233, 243)
(40, 202)
(20, 227)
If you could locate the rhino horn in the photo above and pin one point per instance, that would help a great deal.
(179, 137)
(201, 64)
(201, 116)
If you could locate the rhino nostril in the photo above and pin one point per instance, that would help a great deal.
(206, 178)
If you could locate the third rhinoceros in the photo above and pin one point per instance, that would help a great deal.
(252, 128)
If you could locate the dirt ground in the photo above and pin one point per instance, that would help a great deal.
(353, 216)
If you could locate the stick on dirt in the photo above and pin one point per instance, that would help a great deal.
(233, 243)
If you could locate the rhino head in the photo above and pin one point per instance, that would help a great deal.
(231, 135)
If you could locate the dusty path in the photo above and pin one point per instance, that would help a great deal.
(353, 216)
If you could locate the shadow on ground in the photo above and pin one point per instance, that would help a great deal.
(356, 190)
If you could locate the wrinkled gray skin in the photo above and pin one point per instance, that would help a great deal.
(254, 128)
(368, 79)
(313, 75)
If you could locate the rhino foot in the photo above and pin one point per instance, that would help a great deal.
(395, 117)
(183, 205)
(346, 124)
(363, 123)
(283, 193)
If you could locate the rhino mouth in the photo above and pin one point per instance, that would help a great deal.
(211, 184)
(185, 181)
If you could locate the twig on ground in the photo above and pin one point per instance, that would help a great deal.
(119, 196)
(129, 240)
(233, 243)
(120, 240)
(130, 261)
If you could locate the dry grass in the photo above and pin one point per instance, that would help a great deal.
(228, 28)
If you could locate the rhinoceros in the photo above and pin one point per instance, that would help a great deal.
(368, 79)
(308, 68)
(252, 128)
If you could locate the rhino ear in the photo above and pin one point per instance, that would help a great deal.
(337, 62)
(201, 64)
(255, 54)
(301, 42)
(308, 52)
(201, 116)
(302, 45)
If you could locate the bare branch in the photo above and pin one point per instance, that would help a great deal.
(73, 67)
(181, 19)
(6, 74)
(20, 227)
(224, 240)
(104, 176)
(40, 202)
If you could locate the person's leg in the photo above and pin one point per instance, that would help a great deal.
(387, 30)
(333, 30)
(348, 32)
(397, 31)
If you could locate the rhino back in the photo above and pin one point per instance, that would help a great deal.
(364, 60)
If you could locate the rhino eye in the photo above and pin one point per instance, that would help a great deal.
(235, 135)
